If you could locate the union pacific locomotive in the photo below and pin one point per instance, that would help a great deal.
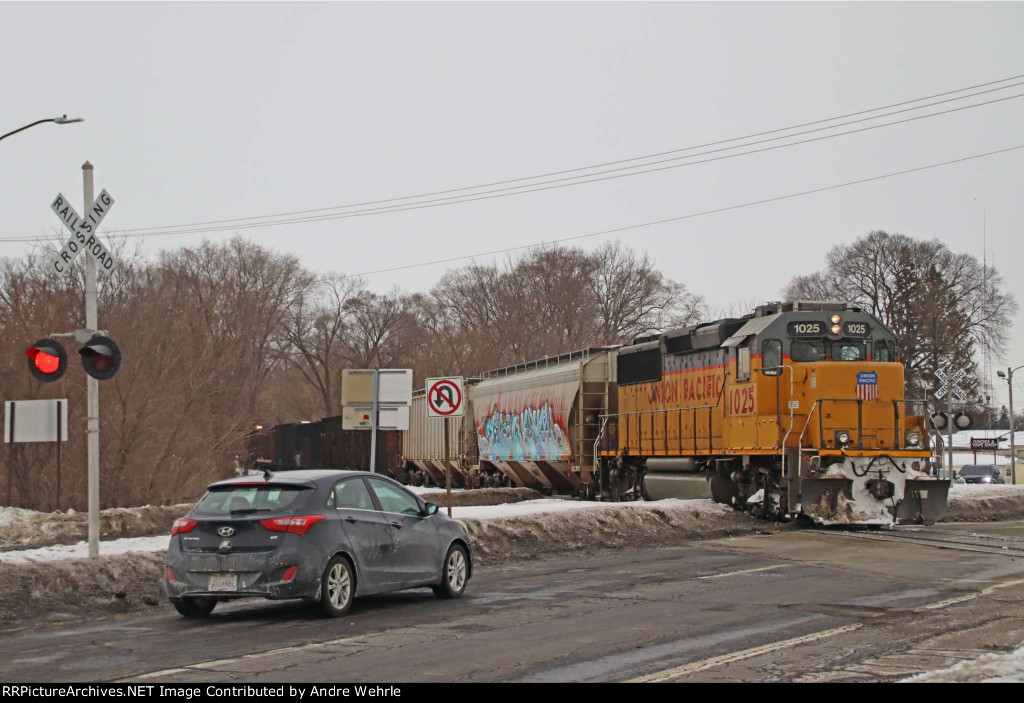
(795, 409)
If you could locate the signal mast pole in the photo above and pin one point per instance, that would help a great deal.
(949, 423)
(92, 385)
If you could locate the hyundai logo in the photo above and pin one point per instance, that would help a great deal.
(226, 531)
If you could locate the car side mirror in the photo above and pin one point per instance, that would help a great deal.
(431, 509)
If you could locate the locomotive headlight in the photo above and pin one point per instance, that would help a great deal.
(835, 319)
(843, 437)
(913, 438)
(835, 329)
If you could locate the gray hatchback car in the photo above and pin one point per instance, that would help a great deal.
(323, 536)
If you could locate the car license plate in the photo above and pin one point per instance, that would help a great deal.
(224, 582)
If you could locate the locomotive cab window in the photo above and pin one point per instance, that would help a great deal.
(883, 351)
(807, 350)
(848, 351)
(771, 356)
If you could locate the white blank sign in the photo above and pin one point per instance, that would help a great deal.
(35, 420)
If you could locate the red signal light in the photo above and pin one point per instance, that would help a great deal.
(47, 363)
(47, 360)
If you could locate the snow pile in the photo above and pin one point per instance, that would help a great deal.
(988, 668)
(427, 490)
(80, 550)
(974, 502)
(10, 516)
(480, 496)
(26, 529)
(523, 532)
(77, 589)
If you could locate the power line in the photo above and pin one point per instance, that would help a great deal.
(634, 158)
(689, 216)
(519, 190)
(399, 208)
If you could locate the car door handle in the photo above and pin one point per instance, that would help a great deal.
(350, 519)
(397, 525)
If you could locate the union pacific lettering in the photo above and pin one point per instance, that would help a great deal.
(696, 387)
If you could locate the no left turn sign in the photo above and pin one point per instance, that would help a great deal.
(444, 397)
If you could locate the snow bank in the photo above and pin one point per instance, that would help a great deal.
(586, 528)
(77, 589)
(80, 550)
(26, 529)
(9, 516)
(988, 668)
(429, 490)
(980, 503)
(480, 496)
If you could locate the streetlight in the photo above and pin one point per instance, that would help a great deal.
(1013, 446)
(63, 119)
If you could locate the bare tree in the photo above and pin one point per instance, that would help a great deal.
(314, 333)
(941, 304)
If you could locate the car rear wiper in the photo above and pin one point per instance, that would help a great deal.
(250, 511)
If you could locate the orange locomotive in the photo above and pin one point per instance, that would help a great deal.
(796, 409)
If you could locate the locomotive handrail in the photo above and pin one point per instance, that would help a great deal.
(680, 410)
(800, 439)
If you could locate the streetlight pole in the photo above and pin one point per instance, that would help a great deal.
(63, 119)
(1013, 445)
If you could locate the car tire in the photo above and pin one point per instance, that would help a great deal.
(195, 607)
(337, 587)
(454, 573)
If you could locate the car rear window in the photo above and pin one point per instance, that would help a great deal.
(976, 471)
(245, 500)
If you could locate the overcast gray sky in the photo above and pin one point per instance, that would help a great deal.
(198, 112)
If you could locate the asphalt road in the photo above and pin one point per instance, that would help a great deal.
(792, 606)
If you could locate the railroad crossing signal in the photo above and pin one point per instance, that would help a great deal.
(47, 360)
(445, 397)
(83, 232)
(101, 357)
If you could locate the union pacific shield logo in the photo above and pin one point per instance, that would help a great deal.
(867, 385)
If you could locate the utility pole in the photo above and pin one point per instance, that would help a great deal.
(1013, 445)
(92, 385)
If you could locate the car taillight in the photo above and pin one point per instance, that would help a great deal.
(183, 524)
(170, 575)
(295, 525)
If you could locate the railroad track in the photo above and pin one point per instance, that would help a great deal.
(940, 539)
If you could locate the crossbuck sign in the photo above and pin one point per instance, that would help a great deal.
(83, 232)
(949, 384)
